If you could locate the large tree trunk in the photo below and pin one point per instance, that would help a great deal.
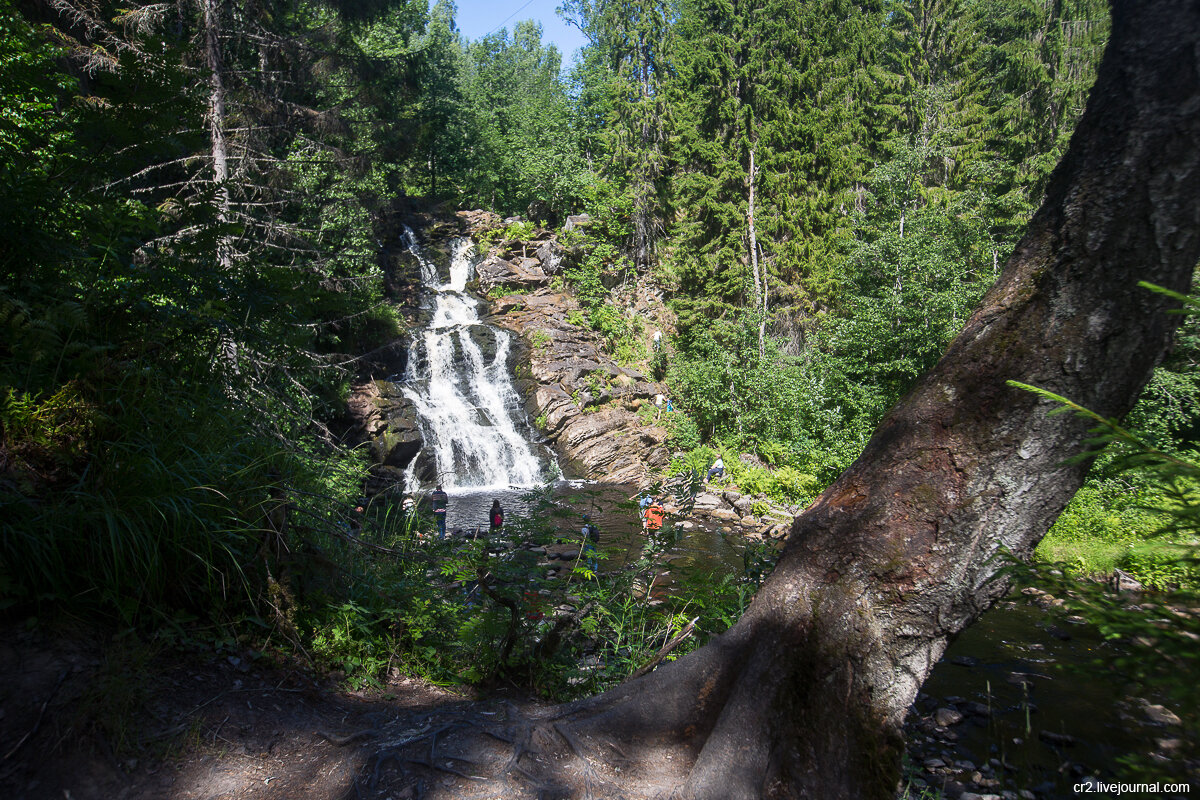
(806, 695)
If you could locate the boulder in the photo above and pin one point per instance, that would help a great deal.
(945, 717)
(479, 221)
(549, 256)
(576, 221)
(1161, 715)
(522, 274)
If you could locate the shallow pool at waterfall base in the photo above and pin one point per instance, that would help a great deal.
(611, 507)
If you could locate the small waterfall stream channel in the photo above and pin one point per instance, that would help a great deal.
(1012, 711)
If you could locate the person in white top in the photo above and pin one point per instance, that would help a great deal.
(717, 469)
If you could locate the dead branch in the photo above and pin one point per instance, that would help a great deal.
(666, 649)
(553, 639)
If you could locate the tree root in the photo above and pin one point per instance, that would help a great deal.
(350, 738)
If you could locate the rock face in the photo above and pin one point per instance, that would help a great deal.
(580, 398)
(585, 403)
(398, 439)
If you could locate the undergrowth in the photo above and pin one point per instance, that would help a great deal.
(481, 612)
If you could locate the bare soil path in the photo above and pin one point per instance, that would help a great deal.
(82, 719)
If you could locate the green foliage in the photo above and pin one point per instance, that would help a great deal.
(496, 292)
(165, 348)
(517, 149)
(354, 640)
(785, 485)
(520, 230)
(685, 434)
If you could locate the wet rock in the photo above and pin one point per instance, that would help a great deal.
(1057, 739)
(945, 717)
(396, 440)
(953, 789)
(977, 709)
(1124, 582)
(1160, 715)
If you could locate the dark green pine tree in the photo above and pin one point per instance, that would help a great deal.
(626, 64)
(794, 88)
(1037, 62)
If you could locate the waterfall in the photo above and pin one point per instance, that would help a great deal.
(458, 380)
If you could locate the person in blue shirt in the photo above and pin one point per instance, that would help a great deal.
(591, 538)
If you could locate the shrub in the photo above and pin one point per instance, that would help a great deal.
(684, 433)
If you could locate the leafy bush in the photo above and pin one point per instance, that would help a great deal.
(521, 230)
(685, 435)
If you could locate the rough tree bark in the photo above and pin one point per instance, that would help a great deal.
(806, 694)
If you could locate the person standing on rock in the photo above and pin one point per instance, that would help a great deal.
(652, 517)
(496, 517)
(591, 538)
(439, 500)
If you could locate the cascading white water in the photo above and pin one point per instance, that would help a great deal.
(468, 410)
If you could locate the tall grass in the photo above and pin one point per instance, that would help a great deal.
(168, 510)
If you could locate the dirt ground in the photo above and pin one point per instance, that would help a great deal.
(85, 718)
(82, 719)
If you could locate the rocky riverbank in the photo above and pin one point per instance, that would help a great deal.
(1017, 708)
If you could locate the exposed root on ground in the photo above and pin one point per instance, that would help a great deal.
(514, 753)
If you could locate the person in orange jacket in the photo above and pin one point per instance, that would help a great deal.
(652, 516)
